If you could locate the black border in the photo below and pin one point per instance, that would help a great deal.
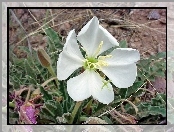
(8, 8)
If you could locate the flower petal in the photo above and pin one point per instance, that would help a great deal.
(87, 83)
(122, 76)
(70, 58)
(123, 56)
(108, 40)
(103, 93)
(88, 36)
(71, 45)
(79, 87)
(91, 36)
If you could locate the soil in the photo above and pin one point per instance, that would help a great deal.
(143, 29)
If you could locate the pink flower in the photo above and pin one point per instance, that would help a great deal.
(28, 114)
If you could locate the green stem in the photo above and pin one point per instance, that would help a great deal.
(76, 108)
(50, 69)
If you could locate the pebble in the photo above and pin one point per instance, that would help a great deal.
(131, 40)
(136, 39)
(154, 15)
(146, 34)
(67, 25)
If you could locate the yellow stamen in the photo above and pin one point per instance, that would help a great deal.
(99, 48)
(101, 61)
(94, 63)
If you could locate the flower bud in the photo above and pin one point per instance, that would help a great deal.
(43, 57)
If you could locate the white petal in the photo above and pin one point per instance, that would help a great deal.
(103, 93)
(123, 56)
(70, 58)
(91, 36)
(79, 87)
(108, 40)
(88, 36)
(71, 45)
(122, 76)
(87, 83)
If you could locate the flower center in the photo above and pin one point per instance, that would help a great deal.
(93, 63)
(90, 63)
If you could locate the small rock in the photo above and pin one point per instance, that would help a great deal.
(136, 39)
(146, 34)
(133, 45)
(67, 25)
(154, 15)
(131, 40)
(136, 44)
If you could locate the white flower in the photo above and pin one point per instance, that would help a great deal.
(119, 66)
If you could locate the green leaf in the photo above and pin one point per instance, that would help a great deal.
(18, 62)
(30, 70)
(145, 109)
(24, 48)
(47, 112)
(62, 86)
(54, 40)
(51, 109)
(116, 102)
(59, 109)
(107, 120)
(162, 97)
(123, 44)
(107, 52)
(43, 115)
(133, 88)
(158, 56)
(153, 110)
(99, 109)
(151, 78)
(54, 108)
(46, 95)
(160, 73)
(65, 105)
(122, 92)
